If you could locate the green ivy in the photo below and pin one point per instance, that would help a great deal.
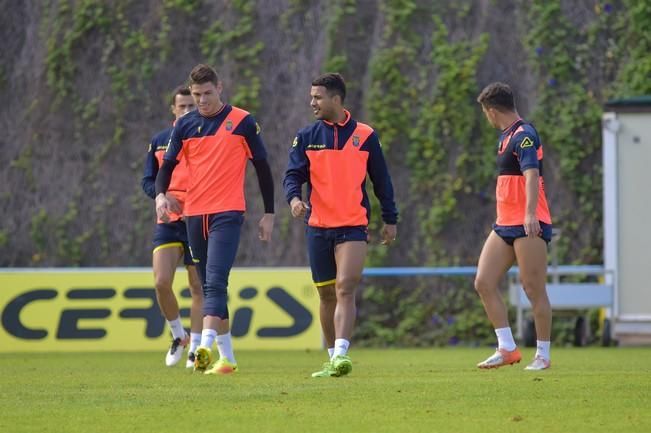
(442, 153)
(38, 233)
(420, 314)
(4, 238)
(425, 110)
(187, 6)
(444, 141)
(70, 26)
(25, 162)
(634, 48)
(232, 42)
(129, 57)
(568, 119)
(336, 58)
(421, 100)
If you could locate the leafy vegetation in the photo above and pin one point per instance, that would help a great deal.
(416, 67)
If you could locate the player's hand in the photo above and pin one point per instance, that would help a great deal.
(162, 208)
(173, 204)
(532, 225)
(389, 233)
(265, 227)
(299, 207)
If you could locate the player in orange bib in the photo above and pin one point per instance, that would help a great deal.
(521, 232)
(216, 141)
(333, 156)
(171, 242)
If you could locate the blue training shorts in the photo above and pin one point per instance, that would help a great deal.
(174, 234)
(510, 233)
(321, 243)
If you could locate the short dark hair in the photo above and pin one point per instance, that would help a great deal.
(203, 74)
(333, 82)
(180, 90)
(497, 95)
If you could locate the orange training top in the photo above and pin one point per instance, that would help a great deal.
(216, 150)
(519, 150)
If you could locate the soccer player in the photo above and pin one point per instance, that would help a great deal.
(522, 230)
(333, 156)
(216, 141)
(171, 242)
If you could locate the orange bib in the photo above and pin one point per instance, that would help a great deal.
(216, 166)
(336, 177)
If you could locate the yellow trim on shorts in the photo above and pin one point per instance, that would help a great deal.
(325, 283)
(170, 245)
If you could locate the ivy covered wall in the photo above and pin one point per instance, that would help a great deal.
(85, 85)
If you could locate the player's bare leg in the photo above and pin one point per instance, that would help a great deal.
(531, 254)
(327, 306)
(164, 265)
(196, 316)
(494, 261)
(350, 257)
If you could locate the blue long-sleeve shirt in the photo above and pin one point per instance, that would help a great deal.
(158, 146)
(324, 136)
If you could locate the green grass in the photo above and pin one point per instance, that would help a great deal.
(436, 390)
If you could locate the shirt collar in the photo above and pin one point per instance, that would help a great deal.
(340, 123)
(212, 116)
(512, 125)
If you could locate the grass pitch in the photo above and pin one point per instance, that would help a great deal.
(435, 390)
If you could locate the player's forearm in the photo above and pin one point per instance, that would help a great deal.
(164, 177)
(265, 180)
(390, 215)
(292, 186)
(149, 186)
(149, 176)
(382, 187)
(384, 193)
(531, 189)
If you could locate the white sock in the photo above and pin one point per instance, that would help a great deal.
(505, 339)
(542, 349)
(331, 351)
(341, 347)
(177, 328)
(208, 337)
(225, 347)
(195, 341)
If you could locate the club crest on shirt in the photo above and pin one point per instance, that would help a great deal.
(355, 140)
(526, 143)
(229, 125)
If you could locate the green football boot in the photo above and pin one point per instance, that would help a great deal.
(326, 371)
(223, 366)
(342, 365)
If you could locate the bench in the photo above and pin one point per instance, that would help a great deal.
(563, 296)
